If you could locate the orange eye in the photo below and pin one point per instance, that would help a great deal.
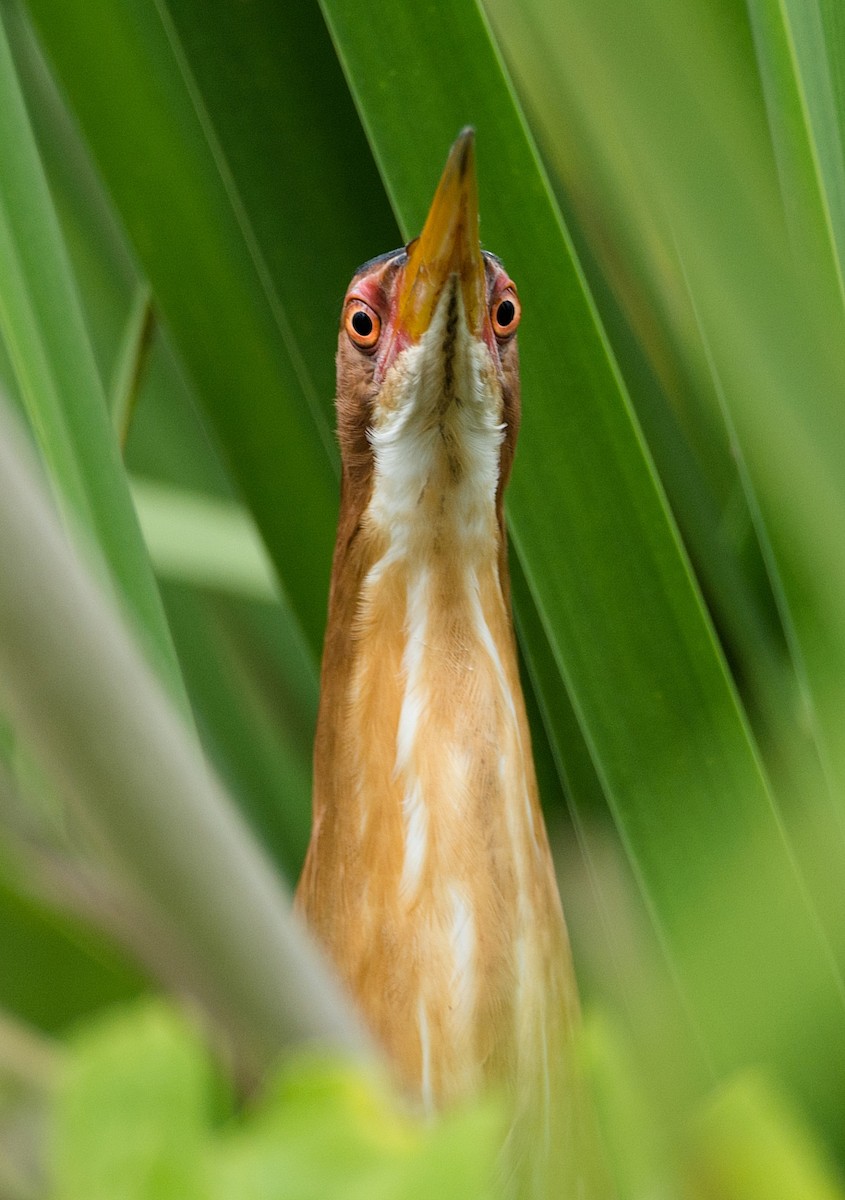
(362, 324)
(505, 314)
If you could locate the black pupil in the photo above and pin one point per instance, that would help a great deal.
(362, 323)
(505, 313)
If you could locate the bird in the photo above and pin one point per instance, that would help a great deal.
(428, 878)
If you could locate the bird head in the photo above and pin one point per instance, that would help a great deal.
(427, 358)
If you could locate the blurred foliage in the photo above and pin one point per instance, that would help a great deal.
(140, 1114)
(186, 189)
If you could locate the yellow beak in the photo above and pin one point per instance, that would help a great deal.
(447, 246)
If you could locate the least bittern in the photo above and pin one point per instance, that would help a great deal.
(428, 877)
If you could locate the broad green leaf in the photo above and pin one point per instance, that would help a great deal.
(132, 1110)
(652, 324)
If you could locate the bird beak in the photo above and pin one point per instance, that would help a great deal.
(447, 246)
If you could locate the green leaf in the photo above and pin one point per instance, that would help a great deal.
(131, 361)
(104, 272)
(132, 1110)
(749, 1142)
(42, 326)
(134, 1118)
(636, 1143)
(797, 64)
(326, 1130)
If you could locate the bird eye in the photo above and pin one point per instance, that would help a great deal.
(362, 324)
(505, 314)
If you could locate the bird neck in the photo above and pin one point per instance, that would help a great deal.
(420, 593)
(428, 877)
(421, 721)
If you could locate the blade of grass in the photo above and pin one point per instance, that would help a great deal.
(794, 63)
(104, 273)
(42, 327)
(128, 372)
(801, 63)
(652, 326)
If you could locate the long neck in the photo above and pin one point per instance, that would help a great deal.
(428, 874)
(419, 672)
